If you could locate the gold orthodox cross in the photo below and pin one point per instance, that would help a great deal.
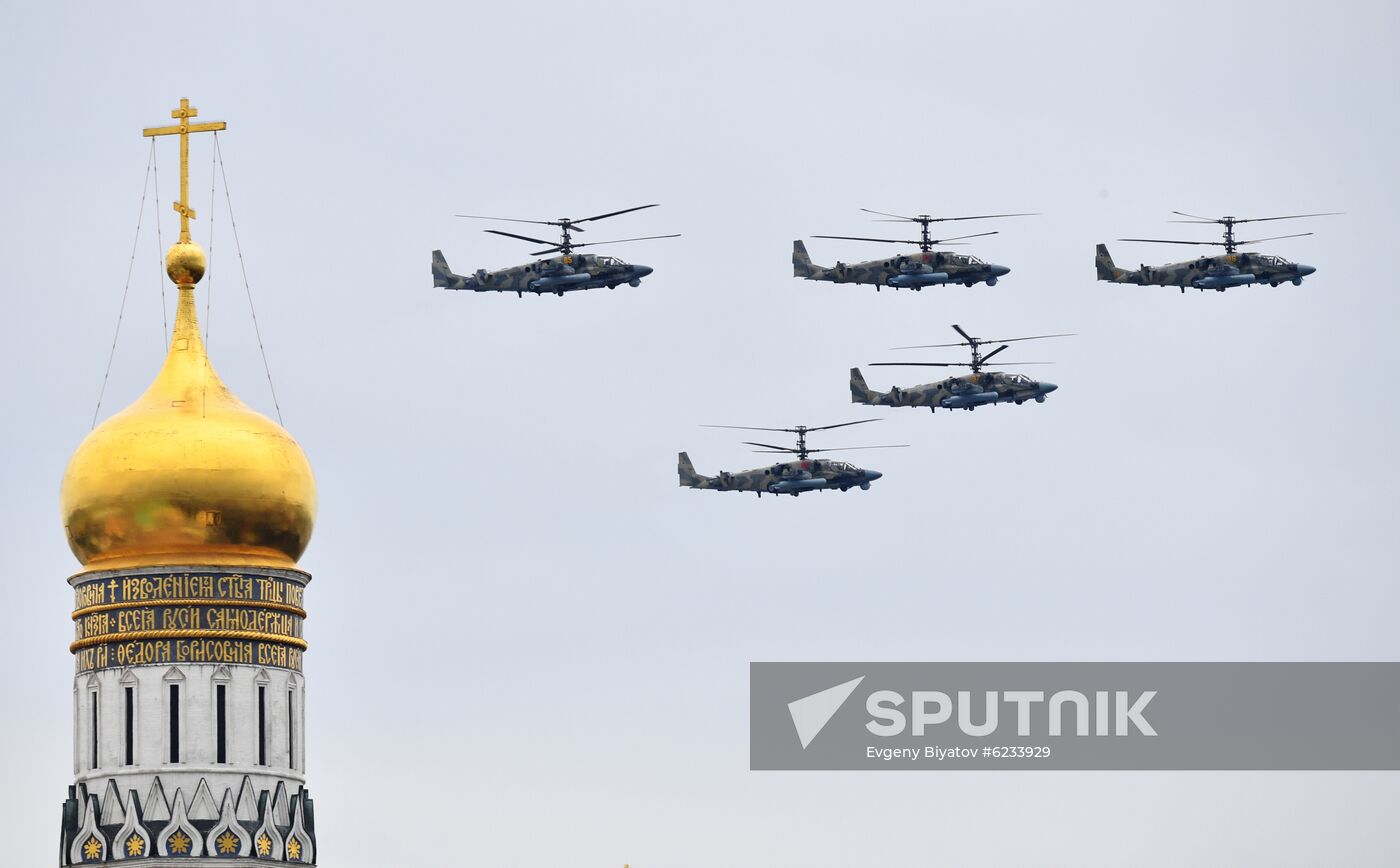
(183, 130)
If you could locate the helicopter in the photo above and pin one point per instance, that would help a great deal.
(567, 272)
(787, 477)
(928, 267)
(1212, 272)
(960, 393)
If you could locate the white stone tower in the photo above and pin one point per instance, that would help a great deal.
(188, 512)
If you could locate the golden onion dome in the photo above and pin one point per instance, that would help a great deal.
(188, 475)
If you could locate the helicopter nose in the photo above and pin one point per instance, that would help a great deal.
(641, 270)
(873, 475)
(1305, 270)
(999, 270)
(1047, 388)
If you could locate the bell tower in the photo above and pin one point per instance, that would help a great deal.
(188, 511)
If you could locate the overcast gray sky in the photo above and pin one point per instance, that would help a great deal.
(529, 647)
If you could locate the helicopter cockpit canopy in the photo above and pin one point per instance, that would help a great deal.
(1270, 259)
(608, 260)
(1019, 379)
(964, 259)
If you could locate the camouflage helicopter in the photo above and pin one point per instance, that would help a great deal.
(1212, 272)
(967, 392)
(559, 274)
(928, 267)
(788, 477)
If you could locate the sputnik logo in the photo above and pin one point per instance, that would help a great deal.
(811, 714)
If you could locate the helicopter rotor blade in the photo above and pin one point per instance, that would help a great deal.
(855, 238)
(1273, 238)
(923, 218)
(625, 240)
(849, 448)
(990, 216)
(988, 341)
(551, 250)
(769, 446)
(953, 240)
(895, 216)
(751, 428)
(614, 213)
(1195, 217)
(967, 337)
(1170, 241)
(995, 351)
(510, 219)
(950, 364)
(521, 237)
(841, 425)
(1223, 220)
(1031, 338)
(1288, 217)
(961, 237)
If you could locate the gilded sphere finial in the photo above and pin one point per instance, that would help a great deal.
(185, 262)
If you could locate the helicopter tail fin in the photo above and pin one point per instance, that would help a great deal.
(686, 470)
(861, 393)
(1103, 263)
(802, 263)
(443, 276)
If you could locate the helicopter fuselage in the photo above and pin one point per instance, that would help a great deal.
(786, 477)
(903, 270)
(955, 393)
(557, 275)
(1206, 272)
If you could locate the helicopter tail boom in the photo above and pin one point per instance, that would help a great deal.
(443, 276)
(802, 263)
(1103, 263)
(689, 478)
(860, 392)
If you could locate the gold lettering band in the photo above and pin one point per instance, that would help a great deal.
(197, 601)
(116, 638)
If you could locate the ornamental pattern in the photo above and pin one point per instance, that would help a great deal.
(271, 826)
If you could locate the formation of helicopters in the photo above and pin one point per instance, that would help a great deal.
(563, 271)
(569, 271)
